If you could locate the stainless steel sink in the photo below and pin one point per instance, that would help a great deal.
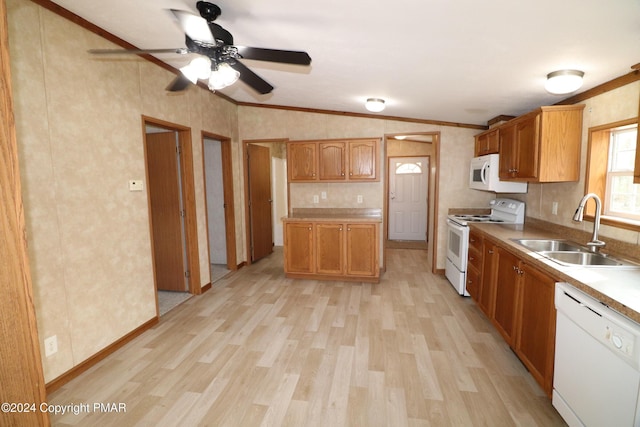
(585, 259)
(540, 245)
(568, 253)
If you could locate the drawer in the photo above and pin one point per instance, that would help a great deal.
(475, 241)
(475, 258)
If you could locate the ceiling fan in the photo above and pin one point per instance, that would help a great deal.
(218, 60)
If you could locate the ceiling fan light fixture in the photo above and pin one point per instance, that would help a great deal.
(222, 77)
(375, 105)
(198, 69)
(562, 82)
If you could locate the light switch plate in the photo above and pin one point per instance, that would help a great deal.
(136, 185)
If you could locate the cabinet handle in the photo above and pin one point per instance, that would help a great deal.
(490, 251)
(471, 258)
(340, 228)
(309, 228)
(515, 268)
(349, 229)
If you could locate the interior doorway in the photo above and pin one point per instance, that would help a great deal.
(407, 145)
(265, 195)
(172, 216)
(218, 177)
(408, 199)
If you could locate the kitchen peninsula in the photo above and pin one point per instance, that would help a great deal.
(333, 244)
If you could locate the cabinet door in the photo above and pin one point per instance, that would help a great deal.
(329, 248)
(527, 146)
(298, 247)
(535, 343)
(332, 159)
(362, 250)
(302, 161)
(487, 290)
(507, 151)
(363, 158)
(506, 284)
(493, 142)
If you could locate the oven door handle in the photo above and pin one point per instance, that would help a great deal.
(455, 225)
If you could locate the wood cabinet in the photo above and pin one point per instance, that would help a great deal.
(535, 337)
(302, 161)
(299, 235)
(333, 160)
(543, 145)
(332, 250)
(487, 288)
(474, 265)
(506, 294)
(329, 248)
(519, 300)
(487, 143)
(363, 160)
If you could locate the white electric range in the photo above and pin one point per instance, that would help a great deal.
(503, 211)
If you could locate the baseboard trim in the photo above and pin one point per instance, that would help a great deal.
(80, 368)
(206, 287)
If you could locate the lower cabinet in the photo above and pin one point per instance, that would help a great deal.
(331, 250)
(506, 289)
(519, 300)
(536, 334)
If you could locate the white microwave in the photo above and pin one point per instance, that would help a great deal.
(484, 175)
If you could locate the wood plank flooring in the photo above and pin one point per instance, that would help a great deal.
(259, 349)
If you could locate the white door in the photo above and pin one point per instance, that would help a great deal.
(408, 184)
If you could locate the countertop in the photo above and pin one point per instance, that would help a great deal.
(617, 288)
(335, 214)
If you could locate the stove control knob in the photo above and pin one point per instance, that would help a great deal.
(617, 341)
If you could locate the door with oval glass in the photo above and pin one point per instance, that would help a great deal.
(408, 185)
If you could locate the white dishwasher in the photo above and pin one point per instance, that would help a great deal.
(597, 362)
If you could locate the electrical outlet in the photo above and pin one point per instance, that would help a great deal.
(136, 185)
(315, 198)
(359, 198)
(323, 195)
(554, 208)
(51, 345)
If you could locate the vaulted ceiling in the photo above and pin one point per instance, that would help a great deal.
(462, 61)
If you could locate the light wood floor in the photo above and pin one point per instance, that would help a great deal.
(260, 349)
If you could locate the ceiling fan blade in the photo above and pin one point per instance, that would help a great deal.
(275, 55)
(194, 26)
(179, 51)
(179, 83)
(251, 78)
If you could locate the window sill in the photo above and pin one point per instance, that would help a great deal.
(613, 221)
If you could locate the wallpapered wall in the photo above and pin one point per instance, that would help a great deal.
(79, 130)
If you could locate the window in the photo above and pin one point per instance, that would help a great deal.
(622, 197)
(408, 168)
(610, 163)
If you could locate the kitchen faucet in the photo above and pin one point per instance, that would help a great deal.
(594, 244)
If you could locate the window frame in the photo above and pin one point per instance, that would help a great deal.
(597, 169)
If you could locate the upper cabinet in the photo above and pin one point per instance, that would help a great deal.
(543, 145)
(333, 160)
(487, 143)
(303, 161)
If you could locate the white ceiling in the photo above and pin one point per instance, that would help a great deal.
(463, 61)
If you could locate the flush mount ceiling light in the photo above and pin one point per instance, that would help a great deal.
(375, 105)
(563, 81)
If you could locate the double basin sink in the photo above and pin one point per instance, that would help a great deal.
(567, 253)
